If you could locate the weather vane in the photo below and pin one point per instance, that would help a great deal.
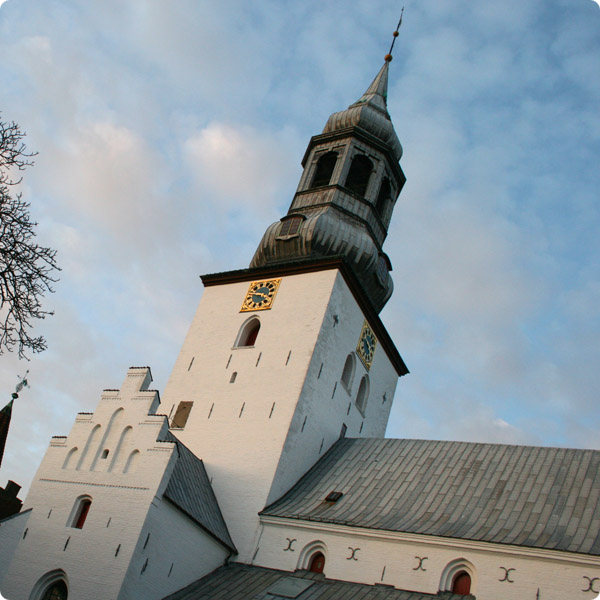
(388, 56)
(22, 383)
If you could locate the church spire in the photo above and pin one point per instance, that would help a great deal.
(346, 195)
(376, 93)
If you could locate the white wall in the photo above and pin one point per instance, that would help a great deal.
(558, 575)
(240, 429)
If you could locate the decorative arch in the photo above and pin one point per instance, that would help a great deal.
(125, 434)
(248, 333)
(310, 552)
(112, 423)
(54, 585)
(459, 577)
(359, 174)
(91, 439)
(362, 395)
(80, 511)
(70, 459)
(132, 461)
(348, 371)
(324, 171)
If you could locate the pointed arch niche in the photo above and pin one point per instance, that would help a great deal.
(313, 557)
(248, 333)
(51, 586)
(459, 577)
(80, 511)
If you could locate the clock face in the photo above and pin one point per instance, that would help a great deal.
(367, 342)
(260, 295)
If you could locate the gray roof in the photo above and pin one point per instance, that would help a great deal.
(189, 489)
(520, 495)
(243, 582)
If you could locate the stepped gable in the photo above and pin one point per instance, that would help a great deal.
(520, 495)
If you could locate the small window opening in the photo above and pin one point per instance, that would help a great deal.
(317, 563)
(82, 513)
(359, 175)
(181, 415)
(461, 584)
(362, 395)
(105, 453)
(343, 431)
(324, 170)
(249, 334)
(57, 591)
(385, 194)
(233, 377)
(333, 496)
(290, 226)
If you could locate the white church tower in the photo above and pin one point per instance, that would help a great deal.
(281, 360)
(285, 357)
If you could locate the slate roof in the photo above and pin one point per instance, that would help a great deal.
(243, 582)
(520, 495)
(189, 489)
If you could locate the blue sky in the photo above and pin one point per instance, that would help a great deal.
(170, 136)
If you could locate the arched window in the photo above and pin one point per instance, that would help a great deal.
(290, 226)
(459, 577)
(80, 511)
(51, 586)
(461, 584)
(324, 169)
(385, 193)
(56, 591)
(359, 174)
(317, 563)
(249, 333)
(348, 372)
(363, 394)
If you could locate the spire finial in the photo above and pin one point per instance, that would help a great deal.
(22, 383)
(388, 56)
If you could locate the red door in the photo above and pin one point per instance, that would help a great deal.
(317, 563)
(462, 584)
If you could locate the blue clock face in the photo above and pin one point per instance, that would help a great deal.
(260, 295)
(367, 342)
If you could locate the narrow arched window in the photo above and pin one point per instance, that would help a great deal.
(80, 512)
(132, 461)
(461, 584)
(317, 563)
(362, 395)
(385, 193)
(56, 591)
(359, 174)
(324, 169)
(348, 372)
(248, 334)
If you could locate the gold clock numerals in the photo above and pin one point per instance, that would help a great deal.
(367, 342)
(260, 295)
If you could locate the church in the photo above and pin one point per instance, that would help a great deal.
(262, 470)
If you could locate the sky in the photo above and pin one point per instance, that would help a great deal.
(170, 134)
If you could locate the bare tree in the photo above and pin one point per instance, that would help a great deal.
(26, 269)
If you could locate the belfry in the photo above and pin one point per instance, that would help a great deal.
(263, 471)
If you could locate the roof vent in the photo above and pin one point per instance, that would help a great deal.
(334, 496)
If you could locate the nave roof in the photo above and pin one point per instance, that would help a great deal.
(521, 495)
